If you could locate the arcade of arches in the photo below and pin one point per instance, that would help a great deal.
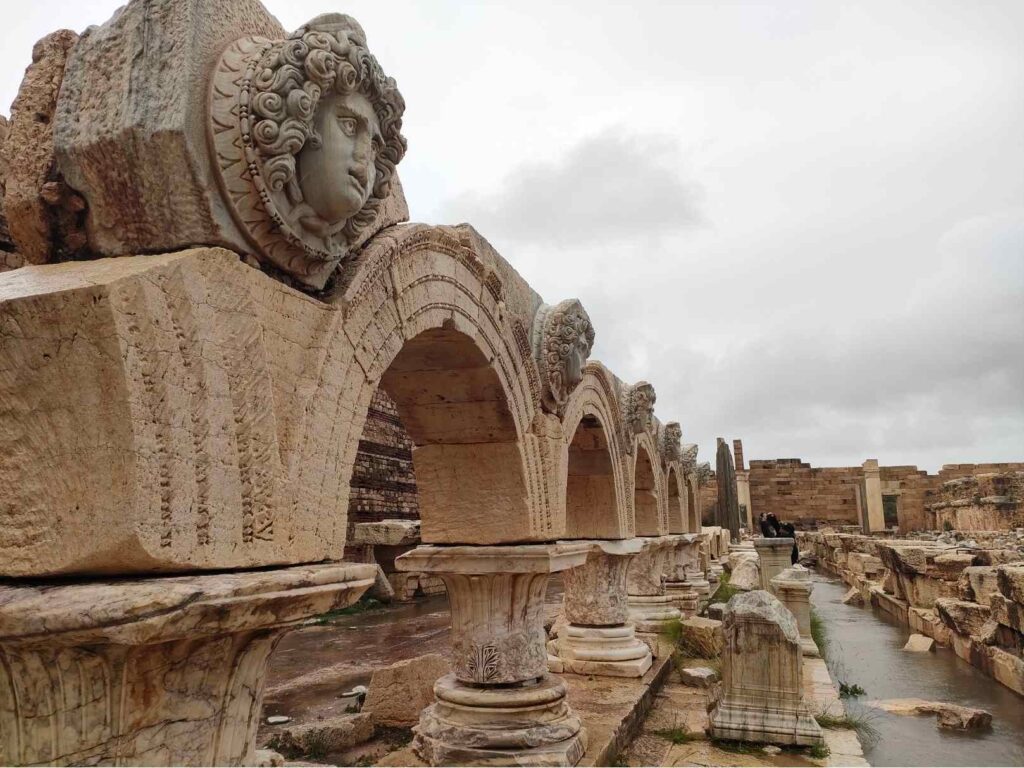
(193, 370)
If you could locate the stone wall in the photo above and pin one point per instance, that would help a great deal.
(963, 497)
(799, 493)
(383, 485)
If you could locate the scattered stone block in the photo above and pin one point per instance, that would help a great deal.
(746, 575)
(399, 692)
(715, 611)
(704, 636)
(698, 677)
(268, 758)
(853, 597)
(771, 749)
(952, 716)
(389, 533)
(324, 736)
(919, 644)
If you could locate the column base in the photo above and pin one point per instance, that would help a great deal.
(652, 614)
(151, 671)
(604, 651)
(684, 597)
(528, 725)
(735, 721)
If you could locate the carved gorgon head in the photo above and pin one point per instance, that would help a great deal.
(688, 457)
(671, 441)
(639, 407)
(319, 126)
(563, 339)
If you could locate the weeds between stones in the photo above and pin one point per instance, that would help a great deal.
(725, 591)
(850, 690)
(819, 752)
(364, 605)
(859, 722)
(678, 735)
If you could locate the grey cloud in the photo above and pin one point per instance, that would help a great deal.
(605, 188)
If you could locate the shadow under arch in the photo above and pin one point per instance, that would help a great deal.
(648, 489)
(678, 521)
(693, 517)
(592, 427)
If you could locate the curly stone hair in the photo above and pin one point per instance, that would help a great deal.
(288, 82)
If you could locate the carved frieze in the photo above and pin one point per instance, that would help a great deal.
(563, 337)
(688, 457)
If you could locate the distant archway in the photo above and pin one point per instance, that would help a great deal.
(590, 497)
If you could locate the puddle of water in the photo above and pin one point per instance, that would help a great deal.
(865, 647)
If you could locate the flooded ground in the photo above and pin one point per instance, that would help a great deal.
(314, 665)
(865, 647)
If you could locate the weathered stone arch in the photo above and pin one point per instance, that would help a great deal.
(422, 298)
(648, 488)
(596, 399)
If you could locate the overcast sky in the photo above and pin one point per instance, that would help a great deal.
(803, 222)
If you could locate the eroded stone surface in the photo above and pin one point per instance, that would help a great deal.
(400, 691)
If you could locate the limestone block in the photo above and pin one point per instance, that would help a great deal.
(400, 691)
(1008, 669)
(40, 211)
(332, 734)
(919, 644)
(978, 583)
(853, 597)
(698, 677)
(964, 618)
(746, 575)
(704, 636)
(387, 533)
(716, 611)
(952, 716)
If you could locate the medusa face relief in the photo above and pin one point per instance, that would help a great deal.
(306, 134)
(638, 407)
(337, 173)
(563, 338)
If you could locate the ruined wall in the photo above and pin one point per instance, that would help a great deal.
(804, 495)
(383, 479)
(976, 497)
(709, 500)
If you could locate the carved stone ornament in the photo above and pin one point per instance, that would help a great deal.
(688, 456)
(562, 339)
(306, 135)
(704, 473)
(671, 441)
(638, 407)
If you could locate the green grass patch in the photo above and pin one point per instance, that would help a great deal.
(725, 591)
(738, 747)
(819, 752)
(679, 735)
(854, 721)
(850, 690)
(363, 605)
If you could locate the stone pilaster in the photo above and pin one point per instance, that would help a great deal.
(873, 497)
(499, 706)
(793, 587)
(158, 671)
(775, 556)
(599, 638)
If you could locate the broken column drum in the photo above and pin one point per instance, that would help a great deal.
(679, 577)
(762, 676)
(599, 638)
(793, 587)
(650, 608)
(499, 706)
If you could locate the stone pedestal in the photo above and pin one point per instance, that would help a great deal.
(793, 587)
(775, 556)
(159, 671)
(762, 668)
(499, 706)
(598, 639)
(650, 608)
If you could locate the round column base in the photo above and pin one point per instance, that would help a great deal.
(524, 725)
(604, 651)
(652, 613)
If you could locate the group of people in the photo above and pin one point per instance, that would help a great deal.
(771, 528)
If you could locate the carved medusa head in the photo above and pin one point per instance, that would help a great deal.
(319, 128)
(638, 407)
(563, 338)
(671, 441)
